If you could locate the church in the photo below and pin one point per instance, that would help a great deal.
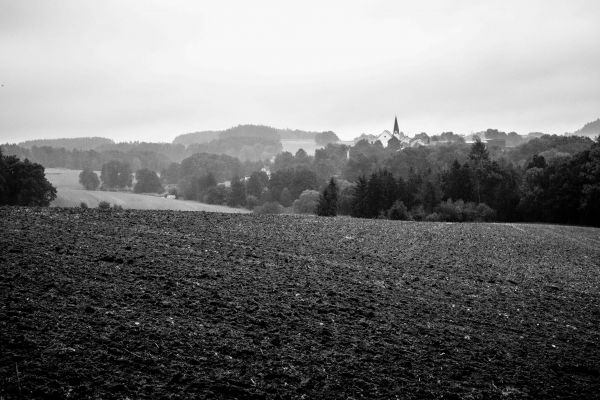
(385, 136)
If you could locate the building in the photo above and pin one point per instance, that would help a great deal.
(385, 136)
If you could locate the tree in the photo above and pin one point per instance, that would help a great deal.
(398, 211)
(394, 144)
(360, 206)
(116, 174)
(257, 183)
(307, 202)
(24, 183)
(171, 174)
(147, 182)
(328, 200)
(324, 138)
(286, 197)
(3, 179)
(479, 159)
(457, 182)
(237, 196)
(89, 179)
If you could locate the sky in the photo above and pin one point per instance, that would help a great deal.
(150, 70)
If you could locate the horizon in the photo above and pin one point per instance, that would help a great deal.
(150, 71)
(116, 141)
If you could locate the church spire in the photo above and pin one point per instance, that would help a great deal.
(396, 129)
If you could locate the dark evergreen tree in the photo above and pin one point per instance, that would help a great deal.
(375, 196)
(457, 182)
(479, 160)
(389, 189)
(360, 204)
(328, 200)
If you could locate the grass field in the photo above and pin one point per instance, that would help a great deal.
(71, 194)
(165, 304)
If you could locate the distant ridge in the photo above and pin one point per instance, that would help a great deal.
(244, 131)
(80, 143)
(591, 129)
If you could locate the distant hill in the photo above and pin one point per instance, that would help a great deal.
(81, 143)
(591, 129)
(244, 131)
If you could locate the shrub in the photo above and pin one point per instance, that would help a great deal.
(83, 205)
(104, 205)
(307, 202)
(485, 212)
(417, 213)
(452, 212)
(398, 211)
(117, 207)
(460, 211)
(271, 207)
(433, 217)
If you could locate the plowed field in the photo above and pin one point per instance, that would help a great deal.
(164, 304)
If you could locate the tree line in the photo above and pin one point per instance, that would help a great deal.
(548, 179)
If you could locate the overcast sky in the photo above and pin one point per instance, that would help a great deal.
(150, 70)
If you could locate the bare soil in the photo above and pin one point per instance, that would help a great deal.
(166, 304)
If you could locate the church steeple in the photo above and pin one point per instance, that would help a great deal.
(396, 129)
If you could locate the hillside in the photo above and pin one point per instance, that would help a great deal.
(591, 129)
(81, 143)
(148, 304)
(257, 131)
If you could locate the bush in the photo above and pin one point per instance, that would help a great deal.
(89, 179)
(460, 211)
(271, 207)
(307, 202)
(433, 217)
(485, 212)
(117, 207)
(83, 205)
(417, 213)
(454, 212)
(104, 205)
(398, 212)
